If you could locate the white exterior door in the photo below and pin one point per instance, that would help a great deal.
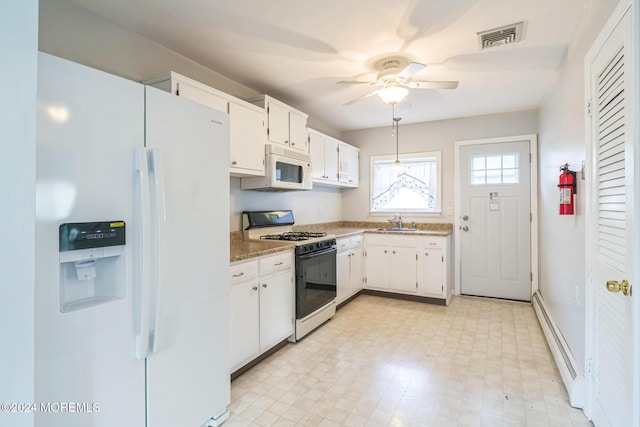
(495, 219)
(612, 252)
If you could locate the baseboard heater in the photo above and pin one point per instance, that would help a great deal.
(573, 381)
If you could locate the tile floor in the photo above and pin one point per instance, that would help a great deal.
(385, 362)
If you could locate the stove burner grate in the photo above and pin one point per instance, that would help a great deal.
(294, 235)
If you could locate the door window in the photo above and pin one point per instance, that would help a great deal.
(494, 169)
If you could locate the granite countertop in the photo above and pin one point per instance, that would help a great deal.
(246, 249)
(347, 228)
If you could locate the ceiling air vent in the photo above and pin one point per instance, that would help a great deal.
(500, 36)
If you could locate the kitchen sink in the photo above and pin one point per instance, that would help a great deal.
(396, 229)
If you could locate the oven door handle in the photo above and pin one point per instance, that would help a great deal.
(318, 253)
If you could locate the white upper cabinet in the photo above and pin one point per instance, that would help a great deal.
(248, 135)
(200, 93)
(348, 162)
(285, 125)
(247, 123)
(333, 162)
(316, 151)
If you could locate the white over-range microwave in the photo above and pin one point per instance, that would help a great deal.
(284, 170)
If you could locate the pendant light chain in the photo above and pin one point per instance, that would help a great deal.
(396, 130)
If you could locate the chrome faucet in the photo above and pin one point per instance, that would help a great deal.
(397, 220)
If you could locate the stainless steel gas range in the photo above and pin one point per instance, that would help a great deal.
(315, 265)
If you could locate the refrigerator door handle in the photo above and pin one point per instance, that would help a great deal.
(158, 231)
(141, 286)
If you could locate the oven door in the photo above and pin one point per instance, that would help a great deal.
(315, 281)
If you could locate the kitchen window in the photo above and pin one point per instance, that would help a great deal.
(413, 187)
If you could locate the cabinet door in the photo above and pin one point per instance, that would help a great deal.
(404, 269)
(316, 150)
(343, 275)
(355, 278)
(278, 118)
(245, 309)
(433, 265)
(276, 309)
(348, 164)
(331, 159)
(377, 265)
(248, 136)
(298, 132)
(201, 96)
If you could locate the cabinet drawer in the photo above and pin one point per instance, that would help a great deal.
(377, 239)
(343, 243)
(433, 242)
(356, 240)
(275, 263)
(244, 271)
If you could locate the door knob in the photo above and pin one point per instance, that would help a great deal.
(615, 286)
(465, 228)
(465, 218)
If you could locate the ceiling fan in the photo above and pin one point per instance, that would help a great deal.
(396, 81)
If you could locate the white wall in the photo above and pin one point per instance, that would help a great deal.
(322, 204)
(72, 32)
(562, 140)
(429, 136)
(18, 71)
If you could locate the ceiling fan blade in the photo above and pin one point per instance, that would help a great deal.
(410, 70)
(354, 82)
(432, 85)
(361, 98)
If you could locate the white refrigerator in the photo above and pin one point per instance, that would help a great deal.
(132, 250)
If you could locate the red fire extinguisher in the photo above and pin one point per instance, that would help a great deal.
(567, 188)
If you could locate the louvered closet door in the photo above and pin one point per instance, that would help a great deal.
(612, 139)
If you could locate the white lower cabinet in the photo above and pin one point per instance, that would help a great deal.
(245, 321)
(403, 275)
(377, 266)
(276, 309)
(349, 267)
(412, 265)
(436, 279)
(262, 296)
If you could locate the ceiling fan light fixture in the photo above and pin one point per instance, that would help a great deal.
(393, 94)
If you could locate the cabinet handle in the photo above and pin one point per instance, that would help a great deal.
(238, 275)
(286, 141)
(427, 254)
(385, 251)
(264, 285)
(234, 163)
(278, 263)
(293, 143)
(255, 288)
(394, 252)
